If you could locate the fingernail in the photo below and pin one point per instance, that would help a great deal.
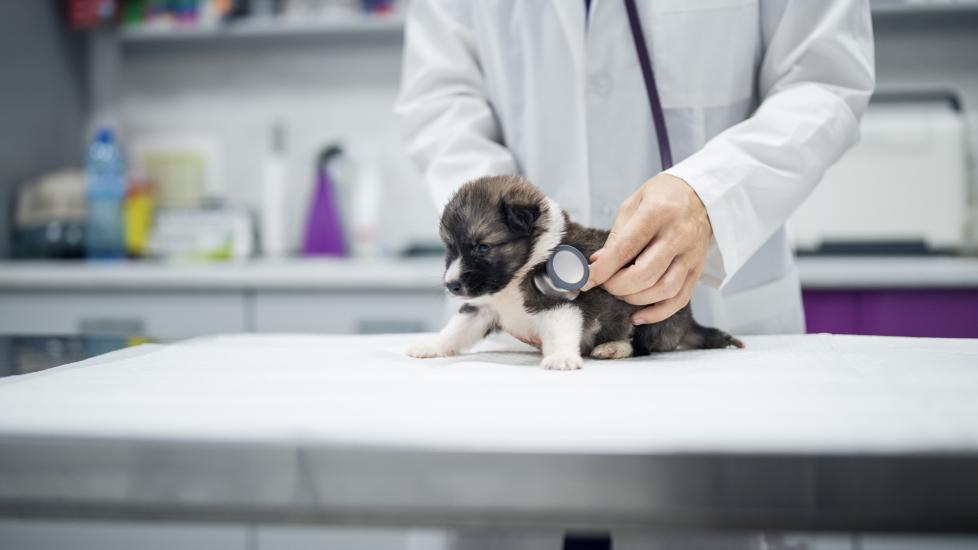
(596, 254)
(587, 286)
(638, 321)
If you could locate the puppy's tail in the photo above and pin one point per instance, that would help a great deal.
(700, 337)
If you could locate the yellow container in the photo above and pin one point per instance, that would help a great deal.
(138, 216)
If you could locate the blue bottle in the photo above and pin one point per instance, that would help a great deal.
(105, 188)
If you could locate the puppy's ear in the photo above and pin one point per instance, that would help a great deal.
(520, 218)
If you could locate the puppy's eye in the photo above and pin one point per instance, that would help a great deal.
(482, 249)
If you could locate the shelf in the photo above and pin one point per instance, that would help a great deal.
(265, 28)
(371, 24)
(886, 7)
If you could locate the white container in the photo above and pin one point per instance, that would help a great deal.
(366, 212)
(273, 197)
(908, 179)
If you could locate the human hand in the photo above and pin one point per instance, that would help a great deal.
(656, 250)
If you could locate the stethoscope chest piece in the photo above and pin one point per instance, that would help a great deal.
(566, 272)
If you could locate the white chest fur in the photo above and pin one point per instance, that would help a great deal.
(512, 316)
(557, 332)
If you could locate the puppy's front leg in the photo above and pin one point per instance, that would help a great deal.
(463, 331)
(560, 333)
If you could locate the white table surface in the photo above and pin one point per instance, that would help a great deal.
(802, 432)
(793, 394)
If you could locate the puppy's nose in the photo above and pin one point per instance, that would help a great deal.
(455, 287)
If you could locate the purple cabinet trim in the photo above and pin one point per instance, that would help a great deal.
(946, 313)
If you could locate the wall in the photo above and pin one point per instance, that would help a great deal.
(41, 97)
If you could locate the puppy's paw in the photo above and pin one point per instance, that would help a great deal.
(562, 361)
(427, 350)
(613, 350)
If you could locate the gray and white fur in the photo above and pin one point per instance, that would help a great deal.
(499, 232)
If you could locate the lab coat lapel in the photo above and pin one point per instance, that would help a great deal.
(571, 15)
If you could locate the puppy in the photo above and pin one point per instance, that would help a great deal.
(498, 233)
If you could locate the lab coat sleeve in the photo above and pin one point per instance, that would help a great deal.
(815, 79)
(449, 125)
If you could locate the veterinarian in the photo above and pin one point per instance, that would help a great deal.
(695, 161)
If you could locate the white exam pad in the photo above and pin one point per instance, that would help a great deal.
(815, 393)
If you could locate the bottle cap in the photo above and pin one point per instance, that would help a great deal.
(104, 135)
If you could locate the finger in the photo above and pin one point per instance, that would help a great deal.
(648, 268)
(670, 284)
(621, 249)
(625, 212)
(666, 308)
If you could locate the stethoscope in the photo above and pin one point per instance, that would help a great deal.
(567, 269)
(565, 273)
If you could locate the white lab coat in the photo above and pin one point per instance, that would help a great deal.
(760, 98)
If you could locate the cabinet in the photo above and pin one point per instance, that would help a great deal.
(185, 314)
(157, 314)
(277, 537)
(935, 297)
(47, 534)
(362, 312)
(940, 313)
(57, 534)
(917, 542)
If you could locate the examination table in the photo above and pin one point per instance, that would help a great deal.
(797, 433)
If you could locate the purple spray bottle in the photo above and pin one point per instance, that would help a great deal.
(324, 228)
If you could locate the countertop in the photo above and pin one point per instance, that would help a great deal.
(290, 274)
(351, 430)
(887, 272)
(424, 275)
